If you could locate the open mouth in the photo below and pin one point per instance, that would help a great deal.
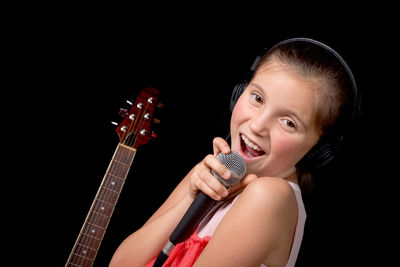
(249, 148)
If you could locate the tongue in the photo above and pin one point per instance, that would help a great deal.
(251, 152)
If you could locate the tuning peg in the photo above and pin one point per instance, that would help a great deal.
(114, 123)
(129, 102)
(123, 112)
(154, 135)
(156, 121)
(160, 105)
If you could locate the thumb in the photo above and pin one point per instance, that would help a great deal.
(243, 183)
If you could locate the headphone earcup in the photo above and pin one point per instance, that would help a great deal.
(319, 155)
(237, 92)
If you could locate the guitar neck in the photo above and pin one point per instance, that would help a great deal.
(89, 239)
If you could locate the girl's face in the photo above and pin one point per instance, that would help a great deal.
(272, 124)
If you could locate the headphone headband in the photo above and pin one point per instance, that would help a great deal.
(356, 96)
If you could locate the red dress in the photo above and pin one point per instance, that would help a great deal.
(186, 253)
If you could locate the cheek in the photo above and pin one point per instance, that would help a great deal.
(234, 124)
(238, 117)
(288, 151)
(283, 146)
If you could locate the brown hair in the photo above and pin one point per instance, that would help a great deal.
(313, 61)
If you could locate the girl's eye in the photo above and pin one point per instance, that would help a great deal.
(257, 98)
(289, 123)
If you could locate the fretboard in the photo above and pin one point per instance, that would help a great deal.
(89, 239)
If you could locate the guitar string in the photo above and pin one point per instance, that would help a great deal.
(82, 252)
(103, 206)
(125, 153)
(97, 221)
(93, 239)
(120, 157)
(134, 126)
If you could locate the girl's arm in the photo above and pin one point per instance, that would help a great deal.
(259, 227)
(144, 244)
(200, 178)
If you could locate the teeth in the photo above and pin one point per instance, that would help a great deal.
(250, 144)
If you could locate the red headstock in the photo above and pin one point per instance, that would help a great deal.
(134, 130)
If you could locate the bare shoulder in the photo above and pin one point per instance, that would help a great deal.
(260, 224)
(270, 192)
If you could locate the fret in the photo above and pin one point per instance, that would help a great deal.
(105, 201)
(82, 256)
(79, 260)
(110, 194)
(87, 246)
(89, 240)
(86, 236)
(118, 178)
(120, 162)
(119, 170)
(98, 220)
(102, 215)
(85, 251)
(95, 226)
(113, 184)
(93, 230)
(73, 264)
(103, 207)
(128, 153)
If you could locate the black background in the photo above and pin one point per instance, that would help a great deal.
(79, 70)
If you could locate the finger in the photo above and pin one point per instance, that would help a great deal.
(211, 162)
(220, 145)
(210, 186)
(213, 183)
(245, 181)
(209, 192)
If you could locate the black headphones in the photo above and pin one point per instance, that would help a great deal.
(325, 150)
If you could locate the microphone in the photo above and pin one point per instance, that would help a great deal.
(202, 204)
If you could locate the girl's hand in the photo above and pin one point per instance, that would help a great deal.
(202, 179)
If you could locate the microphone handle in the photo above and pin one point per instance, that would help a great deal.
(200, 206)
(196, 212)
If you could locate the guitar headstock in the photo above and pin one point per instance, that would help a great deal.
(135, 129)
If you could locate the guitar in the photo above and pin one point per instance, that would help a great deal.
(133, 132)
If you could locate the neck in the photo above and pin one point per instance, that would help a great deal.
(292, 178)
(95, 225)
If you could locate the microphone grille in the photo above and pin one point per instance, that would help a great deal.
(235, 164)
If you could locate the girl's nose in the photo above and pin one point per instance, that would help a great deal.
(259, 124)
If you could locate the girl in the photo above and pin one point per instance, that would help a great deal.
(297, 99)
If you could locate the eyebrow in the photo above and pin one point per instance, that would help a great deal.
(285, 110)
(293, 114)
(256, 85)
